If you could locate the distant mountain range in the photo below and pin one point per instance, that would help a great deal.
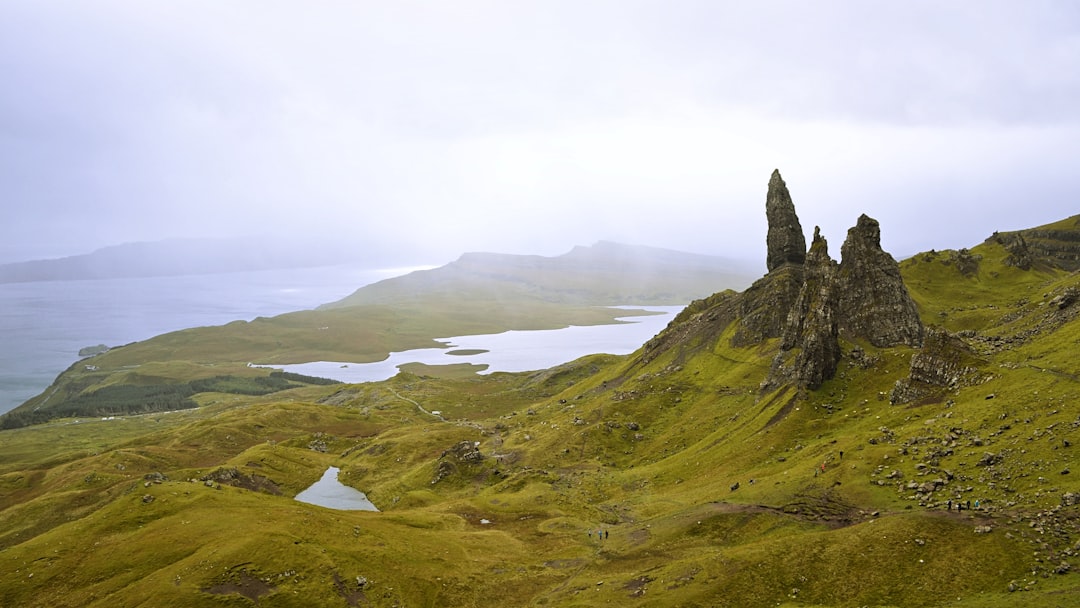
(604, 274)
(175, 257)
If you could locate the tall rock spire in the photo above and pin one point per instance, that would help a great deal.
(785, 241)
(809, 346)
(873, 302)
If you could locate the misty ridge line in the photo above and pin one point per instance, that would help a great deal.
(197, 256)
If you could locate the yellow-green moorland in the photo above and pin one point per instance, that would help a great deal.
(660, 480)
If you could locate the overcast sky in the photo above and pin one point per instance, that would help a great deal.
(530, 127)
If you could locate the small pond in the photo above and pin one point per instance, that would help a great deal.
(330, 493)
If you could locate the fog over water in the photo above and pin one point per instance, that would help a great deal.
(44, 324)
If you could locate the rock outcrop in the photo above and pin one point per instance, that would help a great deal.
(809, 346)
(806, 300)
(1055, 245)
(785, 241)
(763, 307)
(864, 298)
(873, 303)
(944, 362)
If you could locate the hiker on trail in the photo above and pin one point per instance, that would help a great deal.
(841, 454)
(823, 467)
(605, 534)
(948, 506)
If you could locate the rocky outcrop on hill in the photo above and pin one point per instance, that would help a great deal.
(764, 306)
(807, 300)
(1056, 245)
(785, 240)
(862, 298)
(809, 346)
(944, 362)
(873, 303)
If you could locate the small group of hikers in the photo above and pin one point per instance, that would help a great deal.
(960, 505)
(601, 534)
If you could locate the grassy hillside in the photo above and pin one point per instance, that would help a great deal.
(708, 492)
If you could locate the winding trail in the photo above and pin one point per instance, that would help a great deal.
(417, 404)
(439, 417)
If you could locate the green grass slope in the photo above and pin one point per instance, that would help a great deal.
(707, 492)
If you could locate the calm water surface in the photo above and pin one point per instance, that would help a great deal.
(510, 351)
(330, 493)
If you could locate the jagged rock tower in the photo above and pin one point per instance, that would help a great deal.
(764, 305)
(873, 302)
(809, 346)
(862, 298)
(806, 300)
(785, 241)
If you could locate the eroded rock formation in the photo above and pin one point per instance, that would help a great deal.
(763, 307)
(785, 240)
(873, 303)
(944, 362)
(809, 346)
(806, 300)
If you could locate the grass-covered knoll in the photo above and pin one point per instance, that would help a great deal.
(665, 478)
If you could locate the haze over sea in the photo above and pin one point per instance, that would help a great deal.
(44, 324)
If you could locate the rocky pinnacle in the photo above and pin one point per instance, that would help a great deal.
(786, 243)
(873, 302)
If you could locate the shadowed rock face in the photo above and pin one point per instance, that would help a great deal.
(785, 241)
(809, 346)
(763, 307)
(873, 303)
